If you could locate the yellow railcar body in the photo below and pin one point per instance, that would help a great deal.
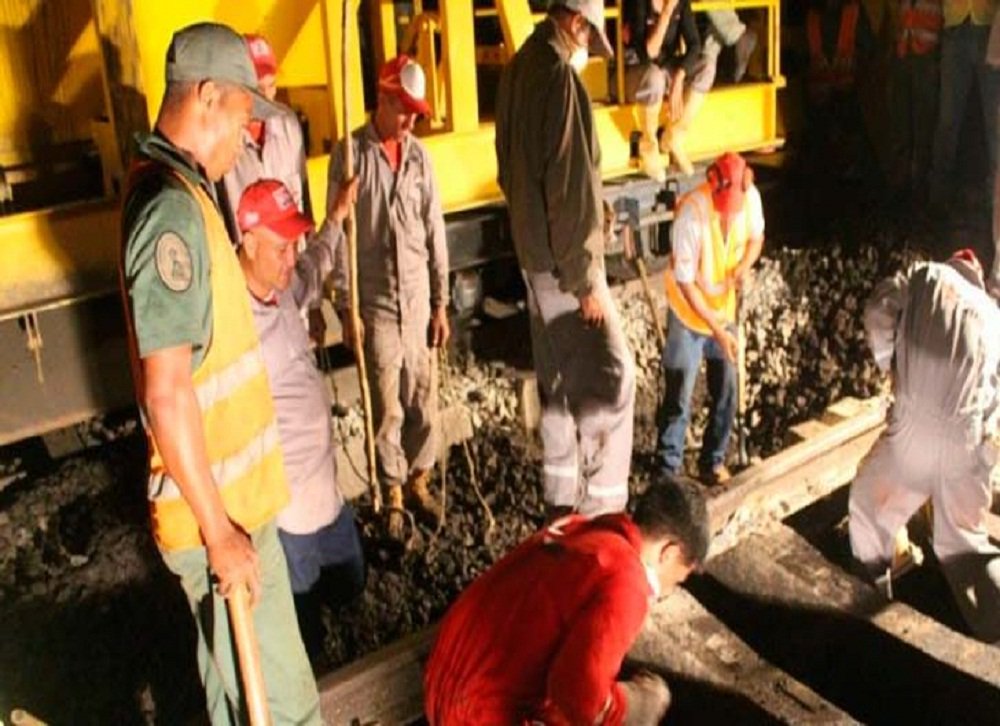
(106, 58)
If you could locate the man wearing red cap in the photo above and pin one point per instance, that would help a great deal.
(316, 529)
(716, 238)
(938, 332)
(549, 167)
(540, 637)
(273, 148)
(402, 284)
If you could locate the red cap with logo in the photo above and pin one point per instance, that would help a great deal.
(729, 172)
(268, 203)
(404, 78)
(262, 54)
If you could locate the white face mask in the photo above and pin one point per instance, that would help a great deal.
(578, 59)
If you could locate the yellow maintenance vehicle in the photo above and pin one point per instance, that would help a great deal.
(81, 77)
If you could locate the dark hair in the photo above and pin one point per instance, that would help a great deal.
(673, 507)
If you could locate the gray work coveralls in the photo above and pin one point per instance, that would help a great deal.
(549, 158)
(281, 155)
(402, 277)
(940, 332)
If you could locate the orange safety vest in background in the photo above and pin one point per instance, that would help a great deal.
(237, 412)
(719, 257)
(920, 23)
(837, 74)
(979, 12)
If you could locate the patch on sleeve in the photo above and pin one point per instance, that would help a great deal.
(173, 262)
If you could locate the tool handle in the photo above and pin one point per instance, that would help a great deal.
(241, 619)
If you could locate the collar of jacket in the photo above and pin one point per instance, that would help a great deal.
(369, 138)
(554, 36)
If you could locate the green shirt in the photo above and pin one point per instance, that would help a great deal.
(165, 257)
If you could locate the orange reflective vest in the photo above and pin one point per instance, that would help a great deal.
(237, 412)
(979, 12)
(920, 24)
(719, 257)
(837, 74)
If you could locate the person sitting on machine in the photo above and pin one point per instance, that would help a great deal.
(663, 57)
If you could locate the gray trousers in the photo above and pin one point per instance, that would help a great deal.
(648, 84)
(921, 457)
(586, 380)
(402, 375)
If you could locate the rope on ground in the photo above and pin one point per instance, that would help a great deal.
(491, 522)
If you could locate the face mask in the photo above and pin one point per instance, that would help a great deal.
(578, 59)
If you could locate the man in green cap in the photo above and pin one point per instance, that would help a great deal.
(217, 479)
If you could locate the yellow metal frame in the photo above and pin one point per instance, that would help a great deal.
(68, 252)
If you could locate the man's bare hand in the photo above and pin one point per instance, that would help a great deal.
(233, 561)
(347, 197)
(591, 310)
(727, 342)
(439, 331)
(347, 330)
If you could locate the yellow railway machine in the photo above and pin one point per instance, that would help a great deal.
(81, 77)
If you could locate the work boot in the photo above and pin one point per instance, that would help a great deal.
(715, 476)
(419, 498)
(395, 514)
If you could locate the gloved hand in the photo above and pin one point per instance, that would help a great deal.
(647, 699)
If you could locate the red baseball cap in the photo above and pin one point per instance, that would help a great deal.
(967, 256)
(268, 203)
(404, 78)
(727, 195)
(262, 54)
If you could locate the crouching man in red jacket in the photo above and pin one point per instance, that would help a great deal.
(540, 637)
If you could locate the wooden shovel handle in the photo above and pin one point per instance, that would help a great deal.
(241, 618)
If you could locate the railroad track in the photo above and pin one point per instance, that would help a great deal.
(774, 630)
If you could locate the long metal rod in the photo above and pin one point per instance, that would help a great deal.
(352, 256)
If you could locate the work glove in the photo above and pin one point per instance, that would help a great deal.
(647, 699)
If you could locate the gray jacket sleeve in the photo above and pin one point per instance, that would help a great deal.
(314, 264)
(575, 212)
(881, 317)
(333, 234)
(437, 242)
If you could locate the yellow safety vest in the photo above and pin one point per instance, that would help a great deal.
(719, 257)
(230, 383)
(980, 12)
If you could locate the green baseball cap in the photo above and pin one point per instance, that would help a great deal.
(215, 52)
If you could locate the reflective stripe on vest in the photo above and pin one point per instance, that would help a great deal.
(838, 74)
(238, 419)
(920, 24)
(980, 12)
(718, 258)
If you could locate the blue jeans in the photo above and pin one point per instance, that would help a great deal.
(682, 358)
(963, 63)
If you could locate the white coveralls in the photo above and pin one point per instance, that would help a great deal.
(940, 332)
